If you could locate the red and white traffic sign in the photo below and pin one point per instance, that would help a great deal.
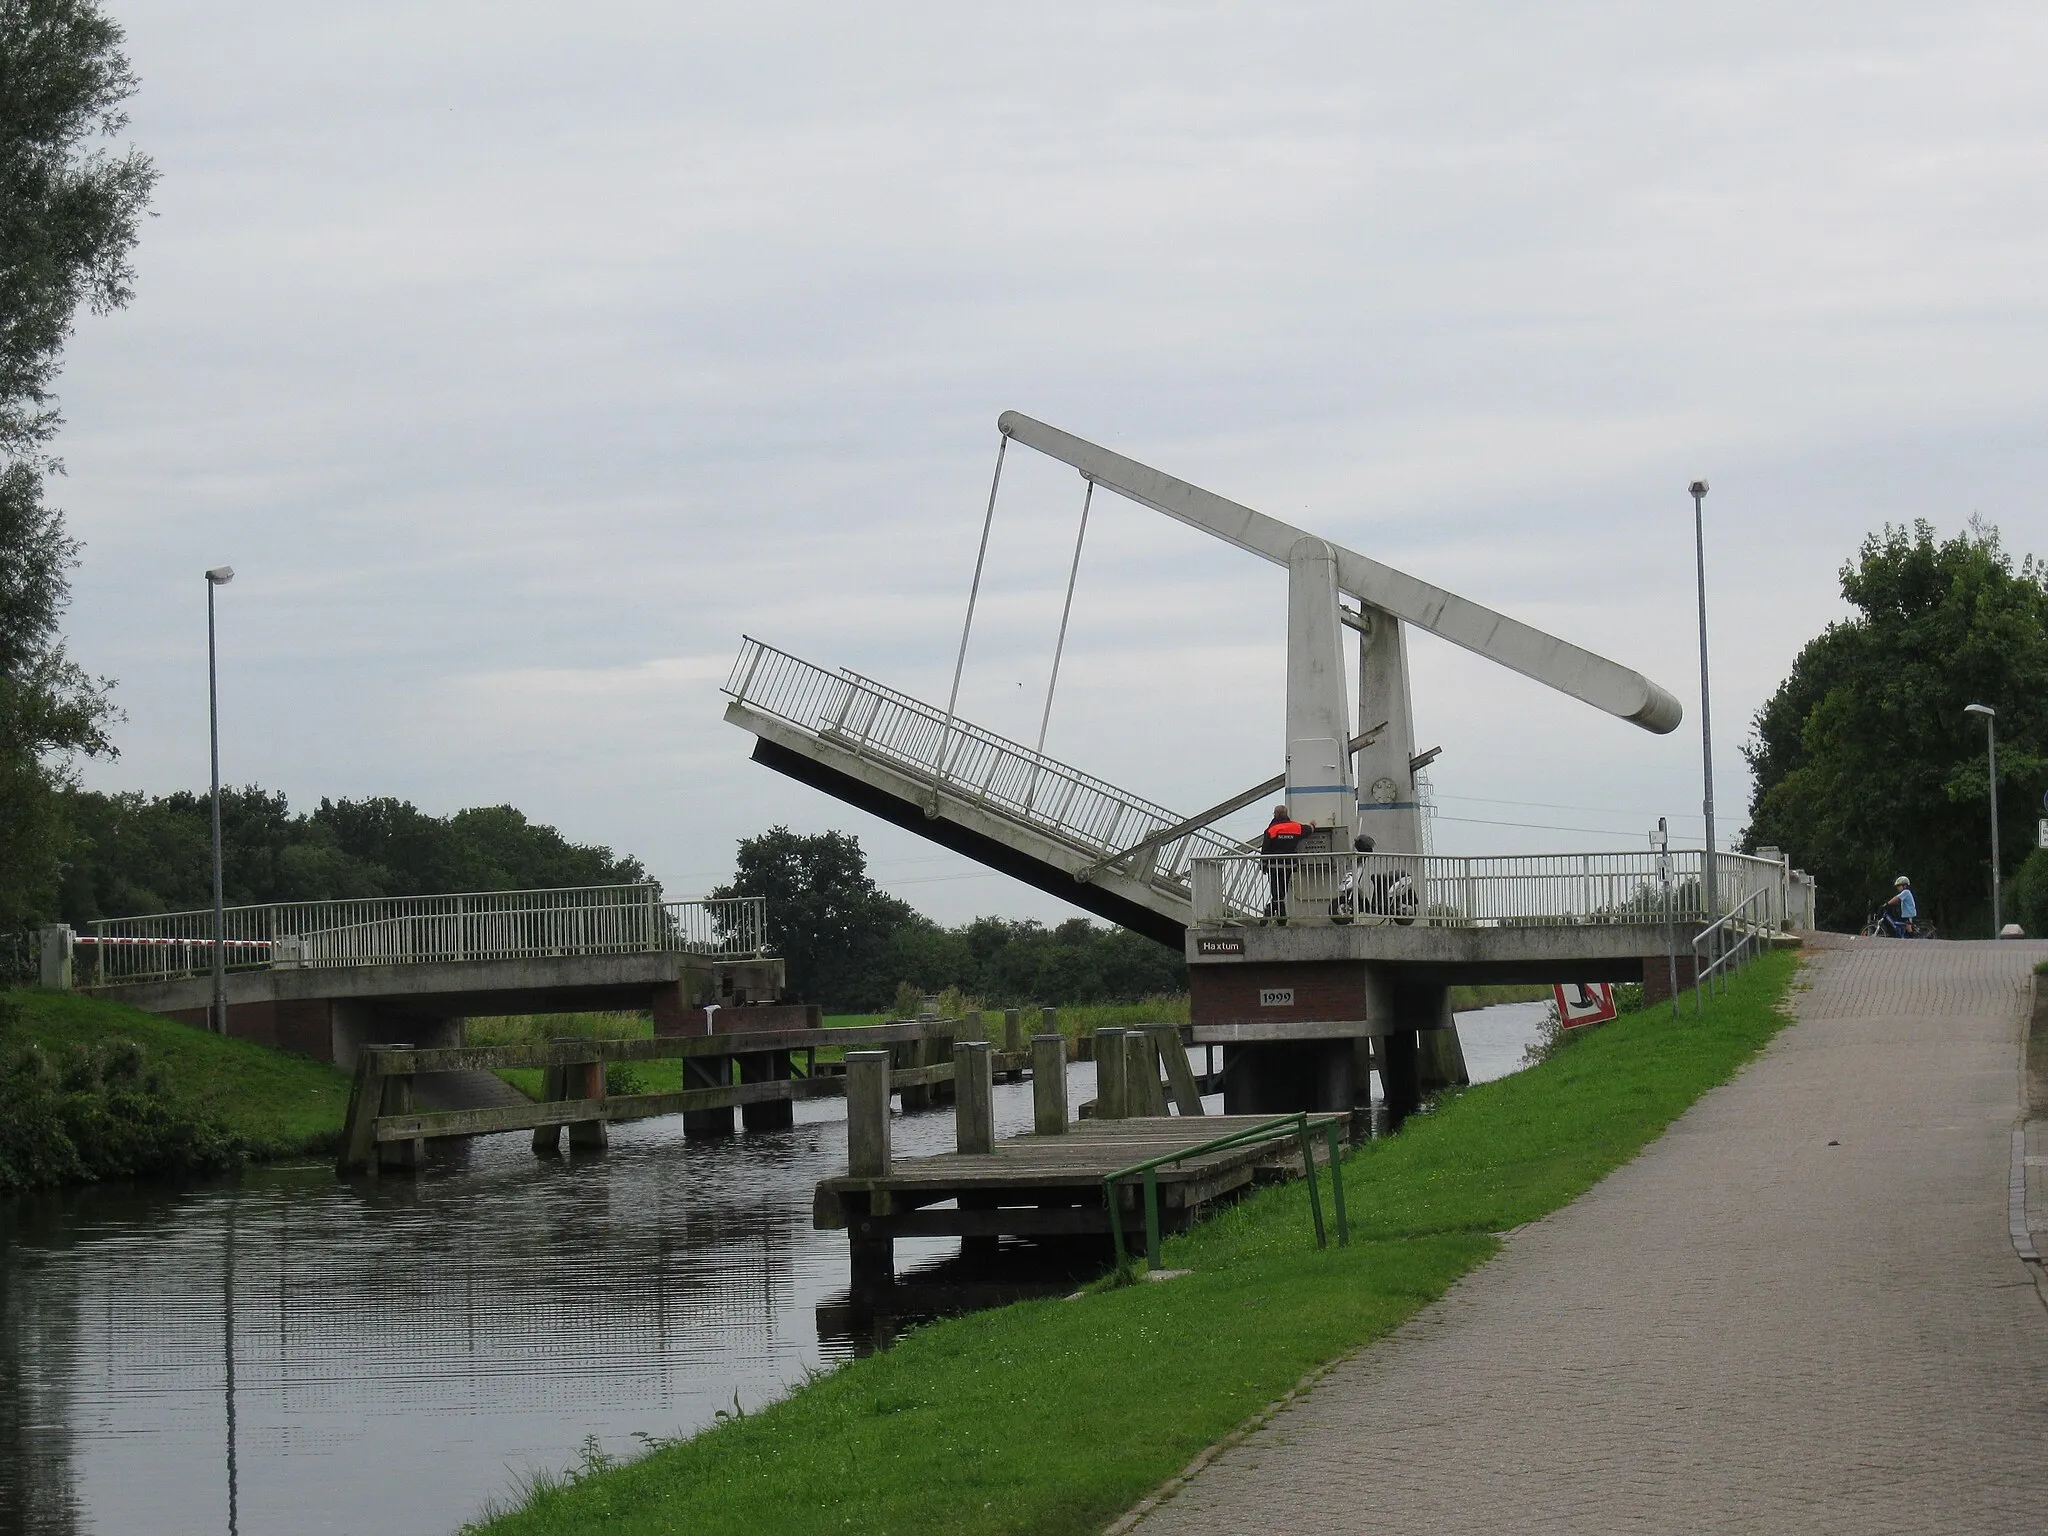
(1586, 1002)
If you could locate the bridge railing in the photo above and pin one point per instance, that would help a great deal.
(416, 930)
(968, 763)
(1516, 890)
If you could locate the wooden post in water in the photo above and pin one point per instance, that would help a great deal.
(1110, 1100)
(974, 1124)
(396, 1099)
(1049, 1084)
(867, 1157)
(867, 1114)
(1013, 1029)
(707, 1072)
(934, 1049)
(547, 1139)
(586, 1081)
(1143, 1094)
(771, 1114)
(359, 1133)
(1187, 1093)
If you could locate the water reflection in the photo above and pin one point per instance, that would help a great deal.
(286, 1353)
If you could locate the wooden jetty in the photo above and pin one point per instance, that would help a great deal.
(1050, 1183)
(774, 1069)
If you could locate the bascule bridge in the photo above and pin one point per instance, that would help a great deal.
(1294, 963)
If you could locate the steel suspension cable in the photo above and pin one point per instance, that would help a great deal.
(966, 628)
(1060, 647)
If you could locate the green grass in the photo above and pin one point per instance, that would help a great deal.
(279, 1104)
(1053, 1416)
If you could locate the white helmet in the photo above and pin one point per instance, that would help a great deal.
(1902, 880)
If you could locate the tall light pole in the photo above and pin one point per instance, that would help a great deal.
(219, 576)
(1698, 490)
(1991, 746)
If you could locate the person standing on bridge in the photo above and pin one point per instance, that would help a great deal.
(1283, 836)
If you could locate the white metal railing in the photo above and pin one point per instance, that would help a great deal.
(416, 930)
(1727, 944)
(1537, 890)
(874, 721)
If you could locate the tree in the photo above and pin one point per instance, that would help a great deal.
(69, 213)
(826, 917)
(1866, 766)
(137, 854)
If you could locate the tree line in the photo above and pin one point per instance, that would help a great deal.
(132, 854)
(1866, 765)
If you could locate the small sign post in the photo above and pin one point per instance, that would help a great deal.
(1587, 1002)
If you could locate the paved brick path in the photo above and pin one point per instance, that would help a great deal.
(1747, 1329)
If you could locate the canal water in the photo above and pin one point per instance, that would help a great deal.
(283, 1353)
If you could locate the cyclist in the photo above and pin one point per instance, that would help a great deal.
(1902, 908)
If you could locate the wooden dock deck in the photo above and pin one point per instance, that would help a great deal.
(1038, 1185)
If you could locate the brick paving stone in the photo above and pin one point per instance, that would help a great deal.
(1745, 1329)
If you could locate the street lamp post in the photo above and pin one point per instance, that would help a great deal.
(219, 576)
(1698, 490)
(1990, 717)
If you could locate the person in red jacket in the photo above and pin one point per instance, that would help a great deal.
(1283, 836)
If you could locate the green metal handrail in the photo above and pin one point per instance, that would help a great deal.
(1299, 1125)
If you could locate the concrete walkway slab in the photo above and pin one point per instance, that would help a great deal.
(1801, 1310)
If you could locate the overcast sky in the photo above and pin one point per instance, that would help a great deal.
(521, 358)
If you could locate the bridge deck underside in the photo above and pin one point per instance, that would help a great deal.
(949, 830)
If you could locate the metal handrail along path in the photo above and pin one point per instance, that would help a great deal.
(1749, 924)
(1299, 1125)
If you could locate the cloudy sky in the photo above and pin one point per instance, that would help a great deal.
(521, 358)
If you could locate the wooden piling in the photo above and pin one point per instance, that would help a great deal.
(974, 1124)
(1049, 1021)
(1187, 1094)
(1143, 1094)
(771, 1114)
(586, 1081)
(1048, 1084)
(547, 1139)
(359, 1134)
(934, 1049)
(1013, 1029)
(867, 1114)
(1110, 1100)
(707, 1072)
(396, 1099)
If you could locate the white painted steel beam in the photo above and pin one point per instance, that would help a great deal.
(1556, 663)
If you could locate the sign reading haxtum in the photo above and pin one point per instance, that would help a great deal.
(1219, 944)
(1276, 997)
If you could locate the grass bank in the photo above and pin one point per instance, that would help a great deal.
(139, 1095)
(1053, 1416)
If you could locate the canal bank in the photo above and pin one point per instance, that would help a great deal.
(403, 1351)
(1057, 1415)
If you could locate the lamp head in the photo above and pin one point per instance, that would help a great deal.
(221, 575)
(1980, 709)
(1697, 488)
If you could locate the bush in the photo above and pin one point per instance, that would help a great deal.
(97, 1113)
(2030, 894)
